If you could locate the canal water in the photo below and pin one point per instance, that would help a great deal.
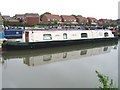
(60, 67)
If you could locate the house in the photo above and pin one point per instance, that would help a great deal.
(51, 18)
(31, 18)
(82, 20)
(10, 20)
(105, 21)
(92, 20)
(68, 19)
(6, 17)
(19, 16)
(13, 21)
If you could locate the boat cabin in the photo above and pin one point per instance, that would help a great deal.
(60, 35)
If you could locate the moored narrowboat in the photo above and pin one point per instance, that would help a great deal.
(42, 38)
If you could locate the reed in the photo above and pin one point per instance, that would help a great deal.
(105, 82)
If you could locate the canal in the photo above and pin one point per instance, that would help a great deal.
(60, 67)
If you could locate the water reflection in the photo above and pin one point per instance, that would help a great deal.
(49, 55)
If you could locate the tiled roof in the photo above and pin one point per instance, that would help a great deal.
(68, 17)
(19, 15)
(13, 20)
(31, 15)
(6, 17)
(82, 18)
(52, 16)
(91, 18)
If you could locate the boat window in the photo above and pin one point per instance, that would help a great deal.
(106, 34)
(65, 55)
(105, 49)
(64, 36)
(84, 35)
(83, 52)
(47, 36)
(47, 57)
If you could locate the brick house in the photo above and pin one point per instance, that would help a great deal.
(68, 19)
(107, 21)
(6, 17)
(13, 21)
(100, 22)
(82, 20)
(31, 18)
(10, 20)
(19, 16)
(92, 20)
(51, 18)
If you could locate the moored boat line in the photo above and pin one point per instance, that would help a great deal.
(42, 38)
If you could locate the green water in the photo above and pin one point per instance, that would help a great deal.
(65, 67)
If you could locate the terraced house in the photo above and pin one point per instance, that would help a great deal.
(92, 20)
(51, 18)
(10, 20)
(32, 18)
(82, 20)
(68, 19)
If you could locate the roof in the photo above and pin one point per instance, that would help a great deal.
(6, 17)
(68, 17)
(19, 15)
(13, 20)
(91, 18)
(52, 16)
(82, 18)
(31, 15)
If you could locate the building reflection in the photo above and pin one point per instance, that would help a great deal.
(50, 55)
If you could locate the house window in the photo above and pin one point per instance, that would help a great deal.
(106, 34)
(47, 36)
(48, 19)
(64, 36)
(84, 35)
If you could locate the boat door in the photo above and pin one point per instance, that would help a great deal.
(26, 36)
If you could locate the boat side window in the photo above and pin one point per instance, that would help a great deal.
(64, 36)
(83, 52)
(105, 49)
(47, 57)
(47, 36)
(84, 35)
(106, 34)
(65, 55)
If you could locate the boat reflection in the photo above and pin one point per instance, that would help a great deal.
(49, 55)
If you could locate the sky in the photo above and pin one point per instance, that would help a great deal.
(107, 9)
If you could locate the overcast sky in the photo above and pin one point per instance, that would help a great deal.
(88, 8)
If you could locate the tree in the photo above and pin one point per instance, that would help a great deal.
(43, 15)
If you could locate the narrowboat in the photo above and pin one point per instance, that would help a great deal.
(43, 38)
(13, 33)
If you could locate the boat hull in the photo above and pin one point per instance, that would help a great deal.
(48, 44)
